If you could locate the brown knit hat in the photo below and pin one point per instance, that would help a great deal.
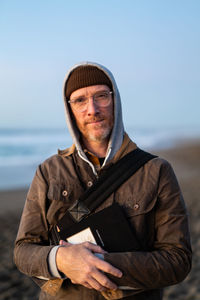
(85, 76)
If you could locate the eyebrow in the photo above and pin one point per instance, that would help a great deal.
(83, 96)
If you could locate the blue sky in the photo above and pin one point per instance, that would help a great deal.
(151, 47)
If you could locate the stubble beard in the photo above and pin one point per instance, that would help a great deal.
(99, 133)
(98, 137)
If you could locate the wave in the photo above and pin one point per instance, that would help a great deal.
(21, 150)
(28, 147)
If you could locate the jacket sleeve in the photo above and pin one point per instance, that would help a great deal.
(169, 261)
(32, 244)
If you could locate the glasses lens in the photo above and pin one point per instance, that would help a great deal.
(79, 104)
(102, 99)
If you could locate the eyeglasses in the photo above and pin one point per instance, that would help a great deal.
(101, 99)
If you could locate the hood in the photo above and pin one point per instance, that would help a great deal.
(117, 134)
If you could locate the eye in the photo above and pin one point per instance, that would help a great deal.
(102, 95)
(79, 100)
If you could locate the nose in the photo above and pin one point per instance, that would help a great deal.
(92, 108)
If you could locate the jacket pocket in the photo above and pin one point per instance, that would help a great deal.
(140, 213)
(59, 198)
(59, 192)
(135, 206)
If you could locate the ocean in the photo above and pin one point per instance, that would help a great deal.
(22, 150)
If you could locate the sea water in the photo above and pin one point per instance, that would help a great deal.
(22, 150)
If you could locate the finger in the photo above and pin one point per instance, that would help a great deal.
(87, 285)
(95, 284)
(94, 248)
(104, 281)
(107, 268)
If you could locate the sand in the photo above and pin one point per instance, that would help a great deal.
(185, 160)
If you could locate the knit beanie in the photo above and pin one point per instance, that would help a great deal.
(84, 76)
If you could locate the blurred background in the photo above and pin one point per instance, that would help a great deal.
(151, 47)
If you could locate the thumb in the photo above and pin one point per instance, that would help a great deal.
(63, 243)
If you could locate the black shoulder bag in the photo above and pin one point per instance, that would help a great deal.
(109, 227)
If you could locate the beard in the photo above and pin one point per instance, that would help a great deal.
(104, 135)
(98, 132)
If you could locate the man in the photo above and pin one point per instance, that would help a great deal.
(151, 200)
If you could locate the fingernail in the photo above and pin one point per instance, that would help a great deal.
(120, 274)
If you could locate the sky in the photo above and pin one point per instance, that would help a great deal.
(151, 47)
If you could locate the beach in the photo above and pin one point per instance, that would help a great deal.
(184, 158)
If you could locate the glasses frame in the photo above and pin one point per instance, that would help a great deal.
(93, 96)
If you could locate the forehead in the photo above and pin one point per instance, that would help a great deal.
(89, 90)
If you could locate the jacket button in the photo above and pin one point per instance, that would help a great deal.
(136, 206)
(64, 193)
(90, 183)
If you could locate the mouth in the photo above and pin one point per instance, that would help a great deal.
(95, 121)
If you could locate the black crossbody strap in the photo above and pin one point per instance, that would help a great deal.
(108, 183)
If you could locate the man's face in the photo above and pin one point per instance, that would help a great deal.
(95, 123)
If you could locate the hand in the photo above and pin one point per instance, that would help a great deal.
(79, 263)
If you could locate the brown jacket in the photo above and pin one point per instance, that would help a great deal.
(154, 206)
